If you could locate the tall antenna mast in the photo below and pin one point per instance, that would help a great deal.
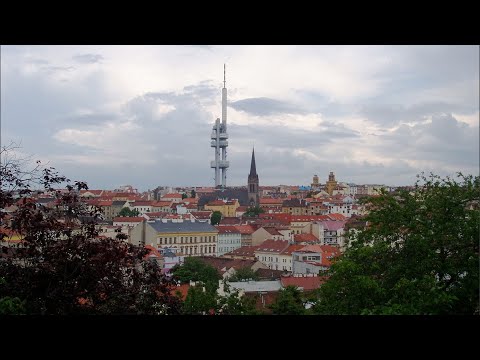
(224, 81)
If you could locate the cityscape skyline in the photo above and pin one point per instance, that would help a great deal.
(142, 115)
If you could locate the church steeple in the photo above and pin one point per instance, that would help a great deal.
(253, 189)
(253, 168)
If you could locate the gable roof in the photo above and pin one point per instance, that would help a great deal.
(272, 246)
(307, 283)
(291, 248)
(185, 226)
(247, 251)
(245, 229)
(172, 196)
(305, 238)
(330, 225)
(225, 229)
(128, 219)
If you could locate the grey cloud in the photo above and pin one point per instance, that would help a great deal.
(444, 139)
(392, 114)
(88, 58)
(265, 106)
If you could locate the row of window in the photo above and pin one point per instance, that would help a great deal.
(227, 241)
(193, 250)
(193, 239)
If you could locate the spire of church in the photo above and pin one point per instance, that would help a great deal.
(253, 168)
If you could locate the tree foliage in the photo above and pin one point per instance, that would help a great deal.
(243, 274)
(418, 254)
(195, 269)
(216, 217)
(128, 212)
(62, 265)
(288, 302)
(253, 211)
(193, 194)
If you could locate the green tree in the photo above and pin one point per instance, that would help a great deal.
(9, 305)
(243, 274)
(193, 194)
(199, 301)
(184, 196)
(418, 254)
(253, 211)
(216, 217)
(195, 269)
(289, 302)
(128, 212)
(234, 304)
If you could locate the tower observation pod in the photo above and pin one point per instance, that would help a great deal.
(219, 142)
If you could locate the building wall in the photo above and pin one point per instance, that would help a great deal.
(143, 233)
(300, 267)
(246, 239)
(275, 261)
(260, 235)
(190, 244)
(228, 242)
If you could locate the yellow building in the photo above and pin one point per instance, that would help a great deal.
(227, 208)
(185, 237)
(331, 183)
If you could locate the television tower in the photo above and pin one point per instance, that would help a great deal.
(219, 141)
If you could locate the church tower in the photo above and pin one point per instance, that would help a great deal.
(253, 197)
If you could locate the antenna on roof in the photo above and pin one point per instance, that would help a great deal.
(224, 76)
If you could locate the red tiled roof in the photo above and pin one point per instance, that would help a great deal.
(216, 203)
(336, 216)
(182, 290)
(128, 219)
(272, 231)
(307, 218)
(172, 196)
(290, 249)
(247, 251)
(305, 238)
(245, 229)
(226, 229)
(268, 201)
(222, 264)
(307, 283)
(230, 221)
(152, 252)
(272, 246)
(190, 200)
(331, 225)
(201, 215)
(161, 203)
(242, 209)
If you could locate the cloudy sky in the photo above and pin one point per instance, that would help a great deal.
(142, 115)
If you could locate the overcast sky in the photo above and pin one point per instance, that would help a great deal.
(142, 115)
